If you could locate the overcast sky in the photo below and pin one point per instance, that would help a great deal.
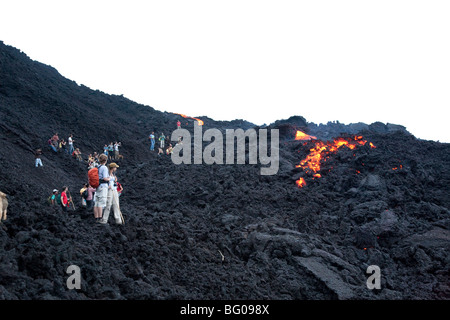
(352, 61)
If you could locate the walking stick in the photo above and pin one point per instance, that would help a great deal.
(71, 201)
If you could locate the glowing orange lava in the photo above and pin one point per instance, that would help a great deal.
(312, 162)
(299, 135)
(199, 122)
(301, 182)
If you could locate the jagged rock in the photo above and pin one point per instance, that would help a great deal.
(213, 231)
(330, 278)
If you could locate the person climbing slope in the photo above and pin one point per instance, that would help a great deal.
(53, 197)
(38, 161)
(51, 145)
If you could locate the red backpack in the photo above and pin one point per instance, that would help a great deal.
(93, 177)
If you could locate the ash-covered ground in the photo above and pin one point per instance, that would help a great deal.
(213, 231)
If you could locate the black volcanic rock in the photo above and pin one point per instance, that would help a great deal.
(213, 231)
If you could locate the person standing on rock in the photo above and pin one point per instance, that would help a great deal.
(90, 198)
(82, 191)
(38, 161)
(64, 199)
(161, 140)
(55, 140)
(101, 193)
(62, 146)
(116, 150)
(71, 141)
(152, 140)
(111, 150)
(105, 150)
(53, 197)
(113, 197)
(3, 206)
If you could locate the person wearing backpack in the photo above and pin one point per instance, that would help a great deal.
(101, 193)
(83, 193)
(52, 198)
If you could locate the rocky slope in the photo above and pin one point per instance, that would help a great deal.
(214, 231)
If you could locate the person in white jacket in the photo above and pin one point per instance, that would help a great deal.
(113, 197)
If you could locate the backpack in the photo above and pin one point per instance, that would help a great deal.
(58, 199)
(93, 177)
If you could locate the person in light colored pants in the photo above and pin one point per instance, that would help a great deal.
(113, 197)
(3, 206)
(112, 202)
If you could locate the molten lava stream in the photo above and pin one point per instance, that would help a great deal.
(301, 182)
(199, 122)
(311, 164)
(299, 135)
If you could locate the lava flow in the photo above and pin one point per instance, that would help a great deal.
(199, 122)
(303, 136)
(311, 164)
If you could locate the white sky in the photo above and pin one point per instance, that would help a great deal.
(258, 60)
